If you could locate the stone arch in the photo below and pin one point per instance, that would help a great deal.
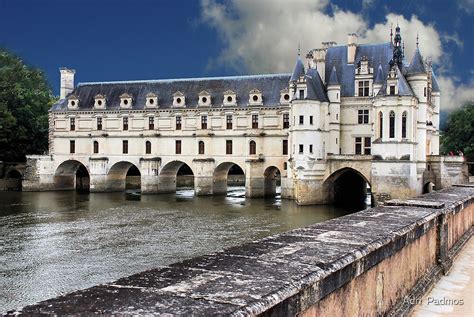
(221, 175)
(168, 177)
(72, 174)
(272, 176)
(428, 187)
(13, 178)
(119, 176)
(13, 173)
(347, 187)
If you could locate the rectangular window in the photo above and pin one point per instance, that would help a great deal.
(285, 166)
(72, 147)
(301, 94)
(229, 122)
(301, 148)
(367, 145)
(178, 122)
(96, 147)
(286, 120)
(392, 90)
(358, 145)
(125, 124)
(125, 147)
(228, 147)
(204, 122)
(363, 116)
(151, 123)
(424, 92)
(255, 121)
(363, 88)
(99, 123)
(72, 122)
(311, 148)
(178, 147)
(285, 147)
(311, 120)
(301, 120)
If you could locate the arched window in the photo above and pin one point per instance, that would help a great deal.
(404, 125)
(96, 147)
(201, 147)
(252, 148)
(147, 147)
(380, 124)
(392, 125)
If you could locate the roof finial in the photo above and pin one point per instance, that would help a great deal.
(417, 39)
(391, 33)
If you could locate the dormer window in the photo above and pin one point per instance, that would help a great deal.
(204, 99)
(125, 101)
(72, 102)
(100, 101)
(364, 88)
(230, 98)
(363, 67)
(284, 96)
(178, 99)
(392, 90)
(151, 100)
(255, 97)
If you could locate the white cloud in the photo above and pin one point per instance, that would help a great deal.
(466, 5)
(263, 36)
(453, 93)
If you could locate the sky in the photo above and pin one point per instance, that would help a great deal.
(109, 40)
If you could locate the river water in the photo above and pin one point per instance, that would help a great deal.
(53, 243)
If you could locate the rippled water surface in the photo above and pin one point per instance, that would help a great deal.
(57, 242)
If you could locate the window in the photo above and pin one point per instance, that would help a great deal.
(125, 124)
(178, 122)
(301, 148)
(392, 125)
(204, 122)
(72, 147)
(285, 147)
(311, 148)
(392, 90)
(363, 116)
(337, 116)
(367, 144)
(301, 120)
(151, 123)
(178, 147)
(96, 147)
(404, 125)
(363, 88)
(424, 92)
(252, 148)
(147, 147)
(228, 147)
(201, 147)
(301, 94)
(72, 124)
(358, 145)
(99, 123)
(125, 147)
(229, 122)
(255, 121)
(285, 166)
(380, 124)
(311, 120)
(286, 120)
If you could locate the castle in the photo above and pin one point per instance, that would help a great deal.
(355, 115)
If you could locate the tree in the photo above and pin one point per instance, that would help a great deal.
(25, 98)
(459, 134)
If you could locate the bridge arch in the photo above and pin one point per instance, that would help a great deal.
(123, 175)
(347, 187)
(168, 176)
(13, 178)
(70, 175)
(221, 176)
(272, 177)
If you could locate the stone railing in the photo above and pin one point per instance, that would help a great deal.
(366, 263)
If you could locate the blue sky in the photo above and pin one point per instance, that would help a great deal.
(145, 39)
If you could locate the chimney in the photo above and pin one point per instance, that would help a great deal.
(320, 61)
(351, 47)
(67, 82)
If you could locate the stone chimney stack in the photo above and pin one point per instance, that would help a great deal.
(67, 82)
(320, 61)
(351, 47)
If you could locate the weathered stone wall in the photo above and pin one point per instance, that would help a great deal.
(365, 263)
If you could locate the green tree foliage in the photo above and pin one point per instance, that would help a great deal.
(459, 134)
(25, 98)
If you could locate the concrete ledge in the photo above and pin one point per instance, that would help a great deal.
(302, 271)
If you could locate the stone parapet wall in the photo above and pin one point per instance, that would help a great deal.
(365, 263)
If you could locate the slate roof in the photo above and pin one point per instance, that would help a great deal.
(404, 88)
(298, 70)
(417, 65)
(333, 77)
(269, 85)
(379, 79)
(315, 86)
(434, 83)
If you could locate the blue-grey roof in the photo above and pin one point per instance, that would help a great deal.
(403, 88)
(416, 65)
(333, 77)
(315, 86)
(269, 85)
(298, 70)
(434, 83)
(336, 56)
(379, 76)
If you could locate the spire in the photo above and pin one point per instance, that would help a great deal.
(391, 34)
(379, 76)
(417, 40)
(434, 83)
(298, 70)
(397, 49)
(417, 66)
(333, 77)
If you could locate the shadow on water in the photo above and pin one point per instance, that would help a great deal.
(57, 242)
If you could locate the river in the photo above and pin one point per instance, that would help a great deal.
(53, 243)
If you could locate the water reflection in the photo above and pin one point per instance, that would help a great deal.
(57, 242)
